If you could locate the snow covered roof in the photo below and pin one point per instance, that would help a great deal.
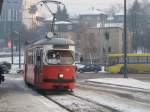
(120, 25)
(92, 12)
(49, 19)
(53, 41)
(63, 22)
(120, 13)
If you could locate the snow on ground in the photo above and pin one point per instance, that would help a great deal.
(15, 59)
(15, 68)
(122, 82)
(19, 98)
(113, 101)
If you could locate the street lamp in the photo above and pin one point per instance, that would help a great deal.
(125, 40)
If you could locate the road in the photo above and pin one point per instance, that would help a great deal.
(15, 96)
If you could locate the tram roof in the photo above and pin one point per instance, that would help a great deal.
(53, 41)
(130, 55)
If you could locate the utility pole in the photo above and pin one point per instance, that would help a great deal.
(19, 51)
(12, 43)
(125, 40)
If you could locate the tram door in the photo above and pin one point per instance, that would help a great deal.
(38, 65)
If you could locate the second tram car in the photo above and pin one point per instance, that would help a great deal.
(49, 64)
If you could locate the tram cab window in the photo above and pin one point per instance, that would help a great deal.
(59, 57)
(53, 57)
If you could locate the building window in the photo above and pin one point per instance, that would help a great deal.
(109, 49)
(12, 15)
(92, 36)
(15, 15)
(56, 28)
(69, 27)
(88, 18)
(106, 35)
(104, 50)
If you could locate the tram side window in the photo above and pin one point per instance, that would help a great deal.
(133, 60)
(30, 58)
(121, 59)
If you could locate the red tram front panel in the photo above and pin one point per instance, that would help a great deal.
(58, 77)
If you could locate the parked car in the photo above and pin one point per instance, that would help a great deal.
(5, 68)
(90, 68)
(79, 65)
(7, 64)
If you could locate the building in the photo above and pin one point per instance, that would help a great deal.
(96, 42)
(30, 14)
(11, 18)
(92, 18)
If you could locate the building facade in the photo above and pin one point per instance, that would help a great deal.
(96, 42)
(92, 19)
(31, 12)
(10, 19)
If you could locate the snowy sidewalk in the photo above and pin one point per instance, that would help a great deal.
(133, 83)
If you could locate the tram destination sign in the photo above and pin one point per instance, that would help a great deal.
(61, 46)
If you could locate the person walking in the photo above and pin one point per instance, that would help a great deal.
(1, 74)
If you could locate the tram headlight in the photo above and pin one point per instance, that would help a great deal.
(61, 75)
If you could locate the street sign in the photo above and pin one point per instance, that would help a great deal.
(9, 44)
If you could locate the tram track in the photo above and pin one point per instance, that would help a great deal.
(113, 87)
(74, 103)
(127, 93)
(112, 110)
(59, 104)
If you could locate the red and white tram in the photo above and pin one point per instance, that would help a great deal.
(49, 64)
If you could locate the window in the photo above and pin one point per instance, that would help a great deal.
(92, 37)
(57, 57)
(69, 27)
(29, 57)
(109, 49)
(106, 35)
(56, 28)
(104, 50)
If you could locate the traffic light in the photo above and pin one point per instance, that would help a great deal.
(1, 4)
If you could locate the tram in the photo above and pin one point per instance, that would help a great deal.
(49, 64)
(137, 63)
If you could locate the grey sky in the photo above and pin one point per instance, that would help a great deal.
(79, 6)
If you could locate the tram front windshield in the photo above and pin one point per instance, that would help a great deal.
(55, 57)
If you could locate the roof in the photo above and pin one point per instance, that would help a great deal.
(63, 22)
(92, 12)
(52, 41)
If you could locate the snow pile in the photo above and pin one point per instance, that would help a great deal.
(15, 68)
(122, 82)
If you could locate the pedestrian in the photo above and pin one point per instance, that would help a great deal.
(1, 74)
